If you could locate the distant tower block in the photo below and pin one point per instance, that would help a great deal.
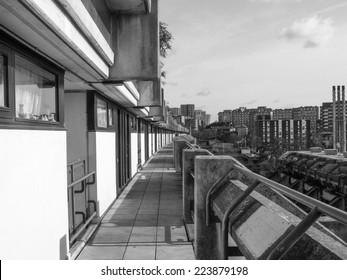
(339, 118)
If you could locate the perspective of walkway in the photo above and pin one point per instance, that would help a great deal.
(146, 221)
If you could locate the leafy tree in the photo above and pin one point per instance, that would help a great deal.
(165, 40)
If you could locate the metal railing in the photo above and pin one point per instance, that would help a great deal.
(317, 207)
(87, 216)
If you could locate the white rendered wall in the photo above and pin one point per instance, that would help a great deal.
(143, 148)
(133, 153)
(105, 169)
(150, 144)
(33, 191)
(159, 140)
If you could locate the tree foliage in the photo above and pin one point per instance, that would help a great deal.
(165, 39)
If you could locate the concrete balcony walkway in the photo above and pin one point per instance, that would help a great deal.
(146, 221)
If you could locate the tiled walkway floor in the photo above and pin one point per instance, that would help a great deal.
(145, 222)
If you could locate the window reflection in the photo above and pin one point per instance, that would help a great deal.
(3, 69)
(35, 91)
(101, 113)
(110, 116)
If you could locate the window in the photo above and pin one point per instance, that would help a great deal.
(3, 81)
(110, 117)
(101, 111)
(35, 92)
(133, 124)
(31, 88)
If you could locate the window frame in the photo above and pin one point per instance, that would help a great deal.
(10, 47)
(7, 111)
(92, 101)
(133, 123)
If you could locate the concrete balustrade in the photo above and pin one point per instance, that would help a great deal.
(207, 170)
(181, 143)
(188, 158)
(257, 225)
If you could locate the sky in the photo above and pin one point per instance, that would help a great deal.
(228, 54)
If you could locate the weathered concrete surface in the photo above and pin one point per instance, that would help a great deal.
(188, 157)
(255, 229)
(135, 40)
(130, 6)
(256, 232)
(208, 169)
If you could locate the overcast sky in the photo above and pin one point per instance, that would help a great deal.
(275, 53)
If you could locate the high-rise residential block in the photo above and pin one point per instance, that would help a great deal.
(288, 134)
(175, 111)
(188, 110)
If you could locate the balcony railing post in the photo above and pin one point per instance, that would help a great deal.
(178, 148)
(188, 181)
(207, 170)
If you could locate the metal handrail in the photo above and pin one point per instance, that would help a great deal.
(74, 236)
(83, 179)
(333, 212)
(77, 230)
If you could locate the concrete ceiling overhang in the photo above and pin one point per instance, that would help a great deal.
(42, 26)
(130, 6)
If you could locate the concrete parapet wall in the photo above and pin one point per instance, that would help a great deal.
(257, 225)
(180, 143)
(188, 181)
(207, 170)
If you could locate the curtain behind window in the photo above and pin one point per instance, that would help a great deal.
(35, 90)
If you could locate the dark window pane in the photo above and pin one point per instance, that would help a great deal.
(3, 73)
(101, 113)
(110, 116)
(35, 91)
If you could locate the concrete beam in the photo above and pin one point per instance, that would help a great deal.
(156, 111)
(130, 6)
(135, 41)
(150, 93)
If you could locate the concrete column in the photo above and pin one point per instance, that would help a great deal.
(208, 169)
(188, 157)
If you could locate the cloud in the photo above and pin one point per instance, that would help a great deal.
(204, 92)
(277, 100)
(312, 32)
(184, 95)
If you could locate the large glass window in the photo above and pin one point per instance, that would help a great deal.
(3, 80)
(101, 110)
(35, 92)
